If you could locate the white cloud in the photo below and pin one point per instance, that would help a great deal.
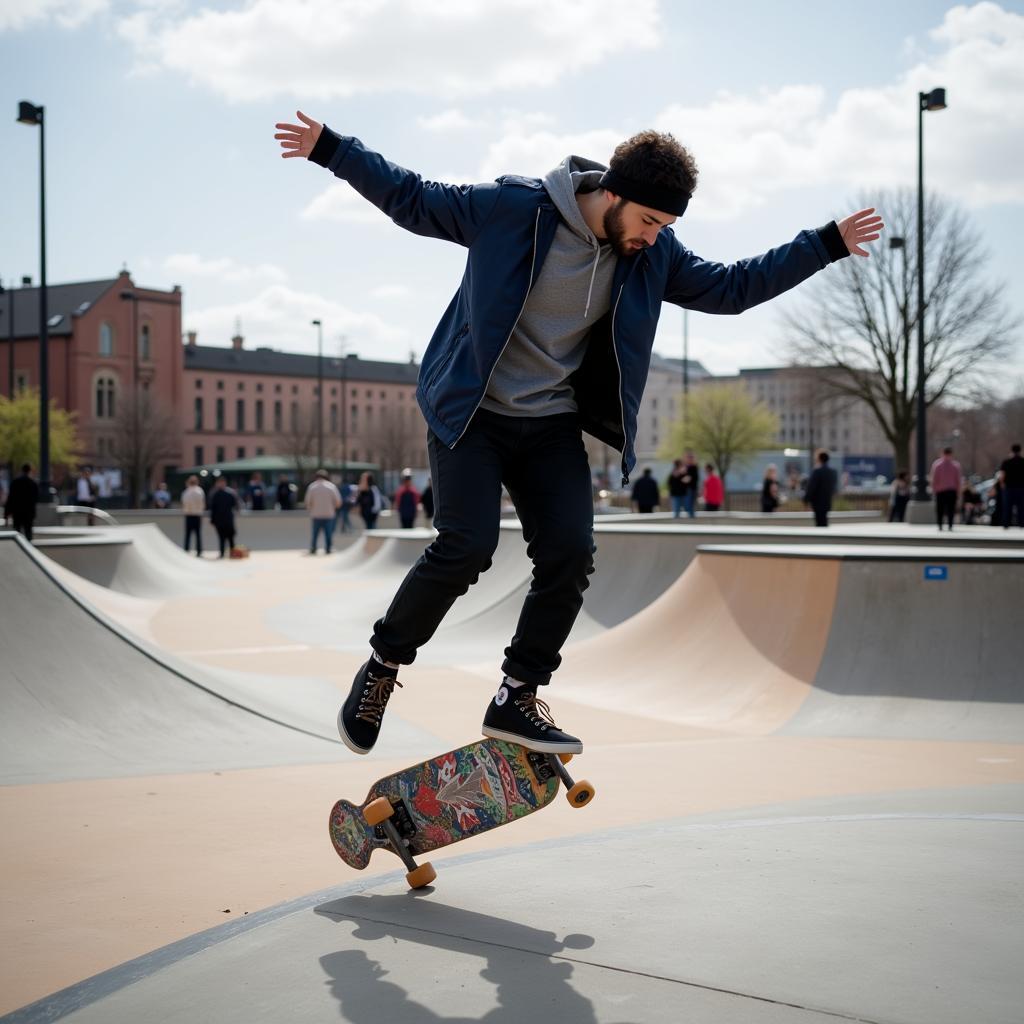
(279, 316)
(321, 49)
(340, 202)
(70, 14)
(189, 266)
(523, 150)
(448, 122)
(390, 291)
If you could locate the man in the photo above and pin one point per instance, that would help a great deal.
(549, 335)
(645, 497)
(945, 478)
(162, 496)
(85, 493)
(822, 485)
(677, 487)
(193, 505)
(22, 498)
(691, 480)
(1011, 478)
(223, 505)
(407, 500)
(322, 503)
(254, 492)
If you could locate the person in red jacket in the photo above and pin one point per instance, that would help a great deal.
(407, 500)
(714, 489)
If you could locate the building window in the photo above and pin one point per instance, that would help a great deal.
(144, 344)
(259, 452)
(220, 385)
(295, 389)
(334, 392)
(278, 419)
(197, 455)
(240, 415)
(240, 452)
(241, 385)
(220, 453)
(334, 417)
(295, 417)
(259, 415)
(21, 382)
(199, 382)
(105, 398)
(220, 414)
(277, 389)
(106, 339)
(259, 386)
(198, 415)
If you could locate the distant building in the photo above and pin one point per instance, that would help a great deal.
(662, 403)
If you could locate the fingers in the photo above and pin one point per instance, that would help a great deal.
(295, 128)
(307, 120)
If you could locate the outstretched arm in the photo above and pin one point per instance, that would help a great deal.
(455, 213)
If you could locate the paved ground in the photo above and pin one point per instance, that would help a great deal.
(809, 769)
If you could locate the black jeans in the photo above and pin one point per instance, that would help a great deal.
(225, 537)
(945, 507)
(194, 526)
(1013, 498)
(543, 465)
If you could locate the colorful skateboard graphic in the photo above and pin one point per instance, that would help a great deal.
(447, 799)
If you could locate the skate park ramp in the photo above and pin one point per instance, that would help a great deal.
(82, 698)
(908, 642)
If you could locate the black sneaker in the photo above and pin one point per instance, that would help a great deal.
(517, 714)
(360, 716)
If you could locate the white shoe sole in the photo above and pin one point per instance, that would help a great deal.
(540, 746)
(347, 740)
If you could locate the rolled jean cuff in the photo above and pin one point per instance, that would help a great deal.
(524, 675)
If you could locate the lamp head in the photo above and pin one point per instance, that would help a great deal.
(29, 113)
(934, 100)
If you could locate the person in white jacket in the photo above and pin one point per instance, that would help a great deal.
(322, 503)
(193, 504)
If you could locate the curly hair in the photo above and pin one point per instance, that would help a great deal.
(656, 158)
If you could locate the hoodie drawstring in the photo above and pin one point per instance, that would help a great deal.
(593, 274)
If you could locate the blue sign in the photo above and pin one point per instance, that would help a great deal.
(936, 572)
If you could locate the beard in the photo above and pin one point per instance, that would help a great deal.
(616, 233)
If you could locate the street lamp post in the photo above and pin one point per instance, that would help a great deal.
(934, 100)
(686, 366)
(319, 393)
(29, 113)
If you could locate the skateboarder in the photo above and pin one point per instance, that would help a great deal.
(549, 335)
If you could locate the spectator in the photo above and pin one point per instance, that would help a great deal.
(161, 496)
(677, 487)
(22, 498)
(370, 500)
(899, 496)
(223, 505)
(945, 478)
(343, 523)
(254, 493)
(322, 503)
(1011, 481)
(285, 494)
(821, 488)
(691, 480)
(193, 505)
(971, 504)
(407, 500)
(645, 497)
(714, 489)
(770, 490)
(85, 493)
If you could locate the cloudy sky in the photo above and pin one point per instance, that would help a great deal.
(161, 157)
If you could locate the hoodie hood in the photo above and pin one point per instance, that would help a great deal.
(574, 174)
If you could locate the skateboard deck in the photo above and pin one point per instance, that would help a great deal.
(449, 798)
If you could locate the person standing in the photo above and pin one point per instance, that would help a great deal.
(1011, 480)
(348, 501)
(822, 485)
(691, 481)
(714, 489)
(677, 488)
(899, 497)
(322, 503)
(162, 496)
(223, 505)
(548, 336)
(255, 493)
(193, 505)
(945, 478)
(370, 500)
(85, 493)
(645, 497)
(407, 500)
(285, 494)
(770, 490)
(22, 498)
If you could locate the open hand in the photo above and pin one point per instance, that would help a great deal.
(859, 227)
(298, 140)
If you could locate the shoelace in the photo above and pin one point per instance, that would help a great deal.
(373, 703)
(535, 710)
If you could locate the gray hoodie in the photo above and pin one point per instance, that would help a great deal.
(572, 292)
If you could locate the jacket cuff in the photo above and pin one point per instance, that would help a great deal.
(830, 238)
(326, 146)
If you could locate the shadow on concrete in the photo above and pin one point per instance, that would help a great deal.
(525, 965)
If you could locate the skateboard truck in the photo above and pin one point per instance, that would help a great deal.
(579, 794)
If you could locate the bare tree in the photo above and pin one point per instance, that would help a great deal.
(148, 432)
(861, 321)
(395, 443)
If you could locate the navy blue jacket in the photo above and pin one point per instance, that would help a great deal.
(508, 226)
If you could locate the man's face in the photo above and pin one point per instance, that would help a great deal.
(630, 227)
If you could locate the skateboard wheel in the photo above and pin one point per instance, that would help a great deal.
(423, 875)
(565, 758)
(377, 810)
(581, 794)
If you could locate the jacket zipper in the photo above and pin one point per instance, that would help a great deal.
(622, 404)
(522, 309)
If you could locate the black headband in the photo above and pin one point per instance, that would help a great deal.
(657, 197)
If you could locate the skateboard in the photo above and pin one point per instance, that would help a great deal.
(447, 799)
